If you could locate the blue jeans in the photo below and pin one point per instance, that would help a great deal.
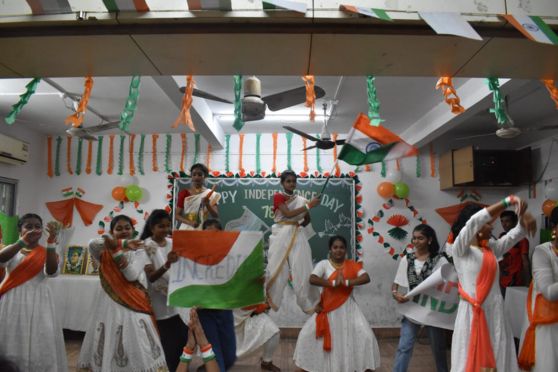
(218, 326)
(407, 339)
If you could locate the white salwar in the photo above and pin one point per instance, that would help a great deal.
(30, 335)
(193, 209)
(252, 332)
(119, 339)
(298, 259)
(353, 344)
(545, 281)
(468, 261)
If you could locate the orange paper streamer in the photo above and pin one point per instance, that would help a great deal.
(183, 152)
(69, 154)
(310, 95)
(131, 148)
(184, 116)
(89, 156)
(274, 166)
(208, 156)
(50, 171)
(305, 156)
(446, 85)
(432, 162)
(240, 151)
(76, 119)
(397, 165)
(154, 166)
(550, 85)
(111, 154)
(337, 167)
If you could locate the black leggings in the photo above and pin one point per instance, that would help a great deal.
(174, 334)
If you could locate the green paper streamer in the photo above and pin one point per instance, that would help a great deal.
(99, 166)
(57, 157)
(131, 104)
(227, 152)
(383, 172)
(167, 153)
(419, 166)
(140, 155)
(258, 154)
(196, 147)
(318, 165)
(78, 160)
(10, 232)
(121, 156)
(238, 123)
(289, 136)
(23, 100)
(373, 103)
(498, 110)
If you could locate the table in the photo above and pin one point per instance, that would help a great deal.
(74, 299)
(515, 308)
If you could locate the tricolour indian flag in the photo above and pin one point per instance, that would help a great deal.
(295, 6)
(217, 269)
(367, 144)
(369, 12)
(532, 27)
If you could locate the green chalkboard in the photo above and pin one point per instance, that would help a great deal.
(246, 204)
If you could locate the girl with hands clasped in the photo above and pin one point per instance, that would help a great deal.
(29, 331)
(122, 335)
(197, 338)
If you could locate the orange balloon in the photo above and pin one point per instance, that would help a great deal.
(548, 206)
(386, 189)
(119, 193)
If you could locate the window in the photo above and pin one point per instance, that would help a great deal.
(7, 196)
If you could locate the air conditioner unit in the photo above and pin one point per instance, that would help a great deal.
(13, 151)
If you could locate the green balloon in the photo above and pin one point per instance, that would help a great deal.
(134, 193)
(401, 190)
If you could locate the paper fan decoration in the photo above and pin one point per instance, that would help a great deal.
(397, 233)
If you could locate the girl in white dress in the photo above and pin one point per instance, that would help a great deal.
(538, 342)
(338, 337)
(122, 335)
(482, 339)
(289, 248)
(30, 335)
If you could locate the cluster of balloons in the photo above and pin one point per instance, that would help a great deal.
(398, 189)
(130, 191)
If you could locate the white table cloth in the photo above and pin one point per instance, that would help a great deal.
(515, 308)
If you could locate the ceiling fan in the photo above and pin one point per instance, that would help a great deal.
(324, 142)
(254, 105)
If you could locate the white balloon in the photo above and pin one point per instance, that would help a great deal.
(393, 176)
(128, 180)
(551, 190)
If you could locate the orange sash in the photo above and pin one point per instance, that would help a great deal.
(546, 312)
(332, 298)
(480, 355)
(31, 265)
(128, 294)
(257, 309)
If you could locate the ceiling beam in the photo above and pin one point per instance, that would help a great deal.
(204, 121)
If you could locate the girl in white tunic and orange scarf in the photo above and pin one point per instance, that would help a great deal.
(338, 337)
(30, 335)
(538, 343)
(482, 339)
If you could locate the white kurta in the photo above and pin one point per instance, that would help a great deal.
(30, 335)
(299, 260)
(252, 332)
(119, 339)
(353, 344)
(545, 281)
(468, 260)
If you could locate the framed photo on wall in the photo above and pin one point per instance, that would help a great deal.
(92, 266)
(74, 260)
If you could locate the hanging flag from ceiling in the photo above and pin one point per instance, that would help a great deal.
(295, 6)
(369, 12)
(449, 23)
(209, 5)
(532, 27)
(39, 7)
(126, 5)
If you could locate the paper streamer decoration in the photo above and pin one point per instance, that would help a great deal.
(140, 155)
(23, 99)
(445, 83)
(121, 156)
(550, 85)
(167, 153)
(63, 210)
(78, 160)
(498, 110)
(111, 154)
(154, 165)
(309, 81)
(384, 170)
(99, 165)
(397, 165)
(76, 119)
(419, 166)
(337, 168)
(50, 171)
(373, 103)
(449, 23)
(183, 151)
(289, 136)
(369, 12)
(258, 154)
(131, 104)
(89, 157)
(184, 116)
(131, 150)
(208, 156)
(242, 172)
(432, 161)
(238, 123)
(227, 154)
(196, 148)
(57, 157)
(305, 157)
(318, 162)
(69, 154)
(274, 164)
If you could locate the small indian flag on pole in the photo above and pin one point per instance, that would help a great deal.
(532, 27)
(367, 144)
(217, 269)
(369, 12)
